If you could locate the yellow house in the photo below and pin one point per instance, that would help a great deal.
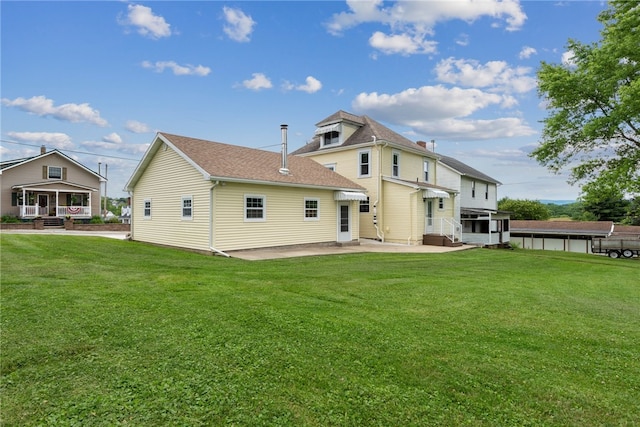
(404, 204)
(209, 196)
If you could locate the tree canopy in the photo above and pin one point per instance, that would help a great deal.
(593, 102)
(524, 209)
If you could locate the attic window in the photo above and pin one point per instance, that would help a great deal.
(55, 172)
(329, 135)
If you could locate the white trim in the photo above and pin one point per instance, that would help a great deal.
(182, 208)
(317, 209)
(263, 208)
(395, 153)
(360, 174)
(144, 209)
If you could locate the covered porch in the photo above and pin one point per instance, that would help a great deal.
(485, 227)
(53, 200)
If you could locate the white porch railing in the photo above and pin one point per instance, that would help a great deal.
(451, 229)
(32, 211)
(74, 211)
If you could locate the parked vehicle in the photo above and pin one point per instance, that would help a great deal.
(616, 247)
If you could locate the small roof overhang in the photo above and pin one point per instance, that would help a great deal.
(330, 128)
(432, 193)
(349, 195)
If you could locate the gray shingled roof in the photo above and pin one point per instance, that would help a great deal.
(365, 133)
(233, 162)
(466, 170)
(586, 228)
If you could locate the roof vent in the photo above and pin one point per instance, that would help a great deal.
(284, 170)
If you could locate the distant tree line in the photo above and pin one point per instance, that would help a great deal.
(588, 208)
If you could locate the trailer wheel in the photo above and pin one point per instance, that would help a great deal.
(627, 253)
(614, 254)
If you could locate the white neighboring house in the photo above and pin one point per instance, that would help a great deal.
(482, 222)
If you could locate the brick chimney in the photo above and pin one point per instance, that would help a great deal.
(422, 144)
(43, 149)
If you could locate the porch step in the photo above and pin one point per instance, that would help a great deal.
(53, 221)
(438, 240)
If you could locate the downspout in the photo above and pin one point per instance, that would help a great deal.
(379, 233)
(411, 224)
(131, 205)
(215, 184)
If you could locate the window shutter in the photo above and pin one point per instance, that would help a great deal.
(44, 172)
(64, 174)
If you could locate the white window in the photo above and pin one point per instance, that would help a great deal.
(330, 166)
(329, 135)
(364, 163)
(425, 168)
(395, 164)
(55, 172)
(486, 192)
(254, 208)
(441, 203)
(473, 189)
(311, 209)
(187, 207)
(147, 209)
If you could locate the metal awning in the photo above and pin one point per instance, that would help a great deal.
(326, 129)
(432, 193)
(349, 195)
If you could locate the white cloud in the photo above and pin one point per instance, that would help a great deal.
(404, 44)
(258, 82)
(495, 75)
(420, 17)
(436, 111)
(312, 85)
(50, 139)
(463, 40)
(178, 70)
(569, 59)
(239, 25)
(137, 127)
(42, 106)
(113, 138)
(148, 24)
(527, 52)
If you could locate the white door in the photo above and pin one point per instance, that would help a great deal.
(344, 222)
(428, 220)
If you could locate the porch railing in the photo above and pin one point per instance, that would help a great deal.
(32, 211)
(74, 211)
(451, 229)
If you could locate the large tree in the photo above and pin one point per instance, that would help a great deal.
(593, 102)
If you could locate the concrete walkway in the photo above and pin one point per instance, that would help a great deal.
(366, 245)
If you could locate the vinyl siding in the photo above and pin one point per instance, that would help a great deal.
(346, 162)
(466, 201)
(285, 223)
(400, 217)
(167, 178)
(31, 172)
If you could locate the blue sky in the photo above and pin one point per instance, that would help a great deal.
(98, 79)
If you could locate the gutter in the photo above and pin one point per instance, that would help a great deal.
(379, 233)
(218, 251)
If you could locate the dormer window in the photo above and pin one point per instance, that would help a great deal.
(329, 135)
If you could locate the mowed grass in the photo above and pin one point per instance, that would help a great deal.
(105, 332)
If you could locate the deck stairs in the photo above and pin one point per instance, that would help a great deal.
(53, 222)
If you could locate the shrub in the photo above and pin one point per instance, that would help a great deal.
(96, 220)
(9, 219)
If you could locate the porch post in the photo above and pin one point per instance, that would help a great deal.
(57, 201)
(90, 213)
(24, 199)
(489, 227)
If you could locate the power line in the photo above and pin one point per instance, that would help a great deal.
(73, 151)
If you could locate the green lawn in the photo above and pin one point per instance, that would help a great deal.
(105, 332)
